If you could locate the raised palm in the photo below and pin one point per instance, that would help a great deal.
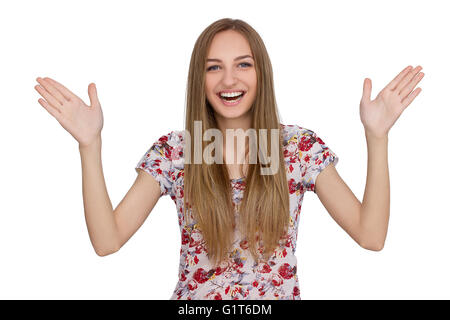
(380, 114)
(83, 122)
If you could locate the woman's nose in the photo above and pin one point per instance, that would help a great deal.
(229, 77)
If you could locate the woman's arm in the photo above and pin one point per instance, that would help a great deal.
(367, 222)
(108, 229)
(376, 201)
(98, 209)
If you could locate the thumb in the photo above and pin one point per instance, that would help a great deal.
(92, 91)
(367, 90)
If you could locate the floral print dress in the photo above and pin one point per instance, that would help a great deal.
(240, 277)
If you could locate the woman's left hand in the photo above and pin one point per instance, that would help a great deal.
(380, 114)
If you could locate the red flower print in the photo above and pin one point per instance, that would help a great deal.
(177, 153)
(192, 285)
(201, 276)
(292, 186)
(277, 280)
(184, 237)
(266, 268)
(219, 271)
(288, 243)
(168, 152)
(196, 238)
(286, 271)
(243, 244)
(306, 143)
(238, 263)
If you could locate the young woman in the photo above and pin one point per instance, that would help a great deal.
(238, 226)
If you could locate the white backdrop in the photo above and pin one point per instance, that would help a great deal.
(138, 54)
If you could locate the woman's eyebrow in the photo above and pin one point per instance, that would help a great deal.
(235, 59)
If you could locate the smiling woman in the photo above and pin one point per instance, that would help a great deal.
(238, 226)
(230, 79)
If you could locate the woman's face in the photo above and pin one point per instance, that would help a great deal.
(230, 70)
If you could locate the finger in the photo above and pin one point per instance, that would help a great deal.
(405, 81)
(407, 101)
(54, 112)
(92, 91)
(52, 90)
(367, 90)
(47, 96)
(392, 85)
(411, 85)
(65, 92)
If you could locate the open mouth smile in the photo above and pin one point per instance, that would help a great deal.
(231, 98)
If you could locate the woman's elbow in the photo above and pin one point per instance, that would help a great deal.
(372, 246)
(105, 252)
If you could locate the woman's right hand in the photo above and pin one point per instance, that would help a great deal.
(83, 122)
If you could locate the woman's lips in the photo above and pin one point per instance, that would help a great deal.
(232, 103)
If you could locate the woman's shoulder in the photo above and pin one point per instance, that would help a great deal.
(295, 133)
(171, 139)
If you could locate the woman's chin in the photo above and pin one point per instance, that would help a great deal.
(228, 113)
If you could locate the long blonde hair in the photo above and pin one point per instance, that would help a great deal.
(264, 209)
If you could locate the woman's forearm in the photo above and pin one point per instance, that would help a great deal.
(376, 202)
(98, 209)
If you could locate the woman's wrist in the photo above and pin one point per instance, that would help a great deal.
(94, 144)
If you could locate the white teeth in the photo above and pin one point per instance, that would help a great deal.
(231, 94)
(234, 100)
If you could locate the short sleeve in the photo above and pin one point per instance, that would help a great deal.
(315, 156)
(157, 162)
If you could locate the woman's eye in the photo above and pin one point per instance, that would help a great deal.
(246, 64)
(210, 68)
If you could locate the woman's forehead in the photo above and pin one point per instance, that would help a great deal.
(228, 44)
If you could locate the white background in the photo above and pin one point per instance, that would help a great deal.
(138, 52)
